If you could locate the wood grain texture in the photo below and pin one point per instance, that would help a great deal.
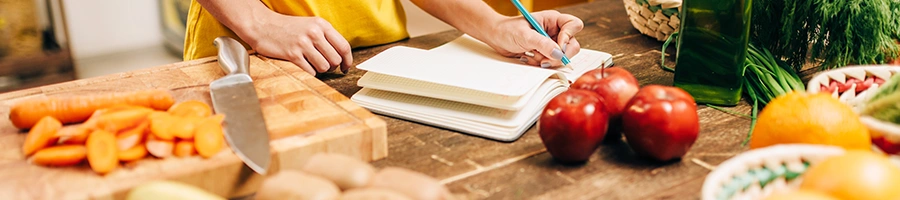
(304, 116)
(478, 168)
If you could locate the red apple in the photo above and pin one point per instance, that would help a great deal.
(661, 122)
(573, 124)
(616, 85)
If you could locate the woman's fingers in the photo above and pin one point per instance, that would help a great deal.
(572, 48)
(304, 65)
(315, 58)
(531, 58)
(568, 26)
(543, 45)
(341, 47)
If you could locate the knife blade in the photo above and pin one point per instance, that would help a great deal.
(234, 96)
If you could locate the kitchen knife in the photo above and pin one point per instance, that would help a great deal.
(234, 96)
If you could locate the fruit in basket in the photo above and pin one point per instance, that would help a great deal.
(573, 124)
(800, 117)
(856, 174)
(800, 195)
(661, 122)
(616, 85)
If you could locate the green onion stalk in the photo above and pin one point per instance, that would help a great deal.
(765, 78)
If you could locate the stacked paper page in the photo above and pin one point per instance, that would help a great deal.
(465, 86)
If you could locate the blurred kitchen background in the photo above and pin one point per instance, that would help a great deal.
(50, 41)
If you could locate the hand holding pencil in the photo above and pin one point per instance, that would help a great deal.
(543, 38)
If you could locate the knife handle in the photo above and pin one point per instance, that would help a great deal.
(233, 58)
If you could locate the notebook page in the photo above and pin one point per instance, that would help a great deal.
(481, 74)
(380, 81)
(486, 122)
(433, 106)
(468, 48)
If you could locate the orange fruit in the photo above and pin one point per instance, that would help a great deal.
(856, 174)
(801, 117)
(800, 195)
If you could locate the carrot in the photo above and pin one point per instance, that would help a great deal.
(209, 139)
(62, 155)
(185, 148)
(159, 148)
(102, 152)
(130, 137)
(183, 127)
(136, 152)
(193, 108)
(159, 126)
(73, 134)
(116, 121)
(217, 118)
(43, 134)
(75, 109)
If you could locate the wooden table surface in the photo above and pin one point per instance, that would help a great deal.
(478, 168)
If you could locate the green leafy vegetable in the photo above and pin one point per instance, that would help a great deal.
(885, 103)
(766, 78)
(837, 33)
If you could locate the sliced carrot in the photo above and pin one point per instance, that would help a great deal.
(62, 155)
(73, 134)
(43, 134)
(136, 152)
(159, 148)
(193, 108)
(115, 121)
(185, 148)
(217, 118)
(159, 126)
(75, 109)
(183, 127)
(209, 138)
(102, 152)
(130, 137)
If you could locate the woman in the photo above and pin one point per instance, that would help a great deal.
(318, 35)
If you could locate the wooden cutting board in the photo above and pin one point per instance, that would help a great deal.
(304, 116)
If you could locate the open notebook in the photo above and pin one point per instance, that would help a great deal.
(466, 86)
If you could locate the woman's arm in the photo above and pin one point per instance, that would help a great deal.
(510, 36)
(309, 42)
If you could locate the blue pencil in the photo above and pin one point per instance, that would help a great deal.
(536, 26)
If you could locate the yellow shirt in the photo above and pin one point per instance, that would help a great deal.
(361, 22)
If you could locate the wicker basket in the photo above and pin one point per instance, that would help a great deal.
(758, 173)
(857, 100)
(654, 18)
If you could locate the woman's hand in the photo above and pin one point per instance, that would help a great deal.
(515, 37)
(309, 42)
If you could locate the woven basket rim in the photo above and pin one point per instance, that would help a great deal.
(729, 168)
(888, 130)
(845, 70)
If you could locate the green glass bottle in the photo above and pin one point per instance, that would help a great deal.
(711, 48)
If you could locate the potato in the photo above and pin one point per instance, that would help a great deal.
(373, 194)
(293, 184)
(345, 171)
(171, 190)
(409, 183)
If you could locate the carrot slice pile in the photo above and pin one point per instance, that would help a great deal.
(110, 129)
